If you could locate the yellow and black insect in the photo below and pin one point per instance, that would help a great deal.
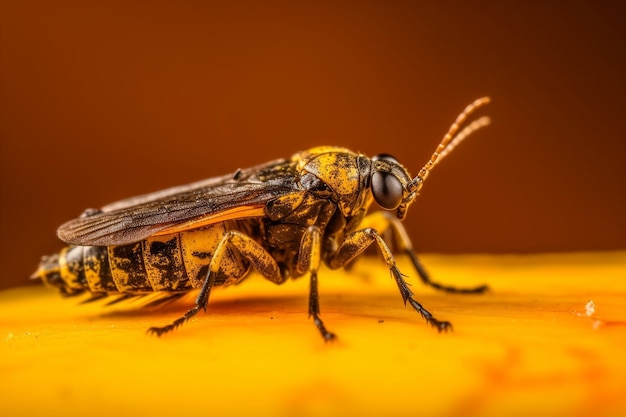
(283, 218)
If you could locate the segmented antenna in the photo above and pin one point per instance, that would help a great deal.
(452, 139)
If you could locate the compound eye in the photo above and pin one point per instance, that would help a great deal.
(387, 190)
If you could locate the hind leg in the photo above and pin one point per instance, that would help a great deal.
(250, 249)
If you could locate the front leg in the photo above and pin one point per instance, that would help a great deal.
(384, 221)
(357, 242)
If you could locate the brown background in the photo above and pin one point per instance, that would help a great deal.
(104, 100)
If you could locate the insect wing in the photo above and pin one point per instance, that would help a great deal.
(243, 194)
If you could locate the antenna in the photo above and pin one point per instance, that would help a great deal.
(452, 139)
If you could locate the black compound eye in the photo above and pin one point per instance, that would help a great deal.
(387, 190)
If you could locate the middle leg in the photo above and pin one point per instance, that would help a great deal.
(309, 260)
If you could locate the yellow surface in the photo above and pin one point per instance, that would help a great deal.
(527, 348)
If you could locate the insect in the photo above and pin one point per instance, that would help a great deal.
(282, 218)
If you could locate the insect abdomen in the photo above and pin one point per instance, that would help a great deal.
(176, 262)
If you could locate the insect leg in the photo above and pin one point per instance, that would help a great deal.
(201, 303)
(384, 221)
(357, 242)
(250, 249)
(309, 260)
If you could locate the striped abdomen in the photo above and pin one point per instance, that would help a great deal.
(177, 262)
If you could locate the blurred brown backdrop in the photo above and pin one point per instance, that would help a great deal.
(105, 100)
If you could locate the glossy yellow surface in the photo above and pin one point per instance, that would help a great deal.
(533, 346)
